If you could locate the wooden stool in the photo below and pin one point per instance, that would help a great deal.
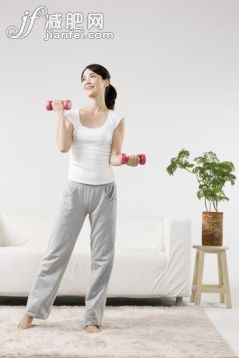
(223, 288)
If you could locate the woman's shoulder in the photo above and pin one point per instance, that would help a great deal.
(117, 117)
(117, 113)
(72, 116)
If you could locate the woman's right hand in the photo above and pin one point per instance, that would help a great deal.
(58, 105)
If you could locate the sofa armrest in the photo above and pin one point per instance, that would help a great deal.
(178, 246)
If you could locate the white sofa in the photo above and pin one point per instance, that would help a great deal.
(152, 258)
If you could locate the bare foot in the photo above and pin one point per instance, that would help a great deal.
(25, 322)
(93, 329)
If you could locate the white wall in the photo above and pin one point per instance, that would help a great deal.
(175, 67)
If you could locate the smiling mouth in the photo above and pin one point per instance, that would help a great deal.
(89, 87)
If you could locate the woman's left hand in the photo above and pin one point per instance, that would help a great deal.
(133, 160)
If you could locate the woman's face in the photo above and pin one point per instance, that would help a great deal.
(93, 84)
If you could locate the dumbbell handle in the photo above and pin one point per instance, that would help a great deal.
(125, 158)
(66, 103)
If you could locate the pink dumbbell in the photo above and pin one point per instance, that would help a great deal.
(67, 105)
(125, 158)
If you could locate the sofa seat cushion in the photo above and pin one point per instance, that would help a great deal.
(135, 272)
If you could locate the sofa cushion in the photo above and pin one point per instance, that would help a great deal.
(139, 231)
(20, 229)
(34, 230)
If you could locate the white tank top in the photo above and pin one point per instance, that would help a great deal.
(90, 150)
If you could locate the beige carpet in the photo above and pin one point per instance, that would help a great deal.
(128, 331)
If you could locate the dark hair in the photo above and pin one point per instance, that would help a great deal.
(110, 91)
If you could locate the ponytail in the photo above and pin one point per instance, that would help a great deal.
(110, 96)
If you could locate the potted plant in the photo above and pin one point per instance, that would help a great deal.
(212, 175)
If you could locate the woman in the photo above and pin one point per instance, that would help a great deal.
(94, 135)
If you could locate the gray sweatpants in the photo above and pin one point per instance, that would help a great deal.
(100, 202)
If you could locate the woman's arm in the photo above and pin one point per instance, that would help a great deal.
(116, 147)
(64, 135)
(64, 132)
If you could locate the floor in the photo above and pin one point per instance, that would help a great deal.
(226, 320)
